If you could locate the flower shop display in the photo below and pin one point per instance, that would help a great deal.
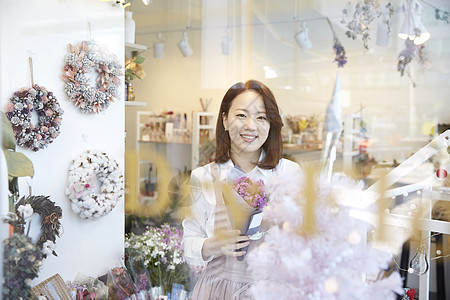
(159, 248)
(87, 288)
(90, 168)
(19, 112)
(50, 225)
(326, 260)
(303, 130)
(21, 264)
(169, 126)
(84, 58)
(140, 275)
(120, 284)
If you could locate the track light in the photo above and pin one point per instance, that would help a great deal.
(302, 39)
(184, 47)
(227, 43)
(413, 27)
(158, 48)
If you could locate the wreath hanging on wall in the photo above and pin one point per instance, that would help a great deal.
(50, 215)
(19, 112)
(84, 58)
(94, 171)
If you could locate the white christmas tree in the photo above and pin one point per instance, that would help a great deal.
(332, 261)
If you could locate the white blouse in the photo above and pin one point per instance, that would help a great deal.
(199, 222)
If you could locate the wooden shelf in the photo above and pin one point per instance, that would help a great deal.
(135, 47)
(163, 142)
(135, 103)
(199, 157)
(296, 147)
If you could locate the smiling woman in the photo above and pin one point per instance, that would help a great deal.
(248, 128)
(248, 143)
(257, 98)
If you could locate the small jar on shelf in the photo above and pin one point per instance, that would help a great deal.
(130, 92)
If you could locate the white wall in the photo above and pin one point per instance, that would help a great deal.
(46, 27)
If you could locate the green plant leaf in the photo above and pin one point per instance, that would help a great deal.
(130, 74)
(139, 59)
(8, 138)
(18, 164)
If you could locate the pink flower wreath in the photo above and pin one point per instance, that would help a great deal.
(83, 58)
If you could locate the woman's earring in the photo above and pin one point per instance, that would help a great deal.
(226, 129)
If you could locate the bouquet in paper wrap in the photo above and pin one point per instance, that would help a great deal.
(244, 203)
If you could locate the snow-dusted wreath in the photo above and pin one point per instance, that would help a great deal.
(85, 172)
(86, 57)
(19, 111)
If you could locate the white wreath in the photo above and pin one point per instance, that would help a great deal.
(83, 58)
(84, 172)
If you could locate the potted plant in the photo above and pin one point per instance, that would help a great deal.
(133, 69)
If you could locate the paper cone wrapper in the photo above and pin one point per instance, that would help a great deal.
(239, 211)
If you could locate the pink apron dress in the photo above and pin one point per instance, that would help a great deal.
(224, 277)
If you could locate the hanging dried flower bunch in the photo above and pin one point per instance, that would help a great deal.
(366, 11)
(408, 54)
(339, 50)
(441, 15)
(405, 57)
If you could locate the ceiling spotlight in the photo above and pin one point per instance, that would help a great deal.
(184, 47)
(146, 2)
(413, 27)
(302, 39)
(158, 48)
(269, 73)
(123, 3)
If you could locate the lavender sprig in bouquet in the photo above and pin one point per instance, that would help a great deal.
(251, 191)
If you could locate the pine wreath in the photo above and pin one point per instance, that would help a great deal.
(50, 225)
(19, 112)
